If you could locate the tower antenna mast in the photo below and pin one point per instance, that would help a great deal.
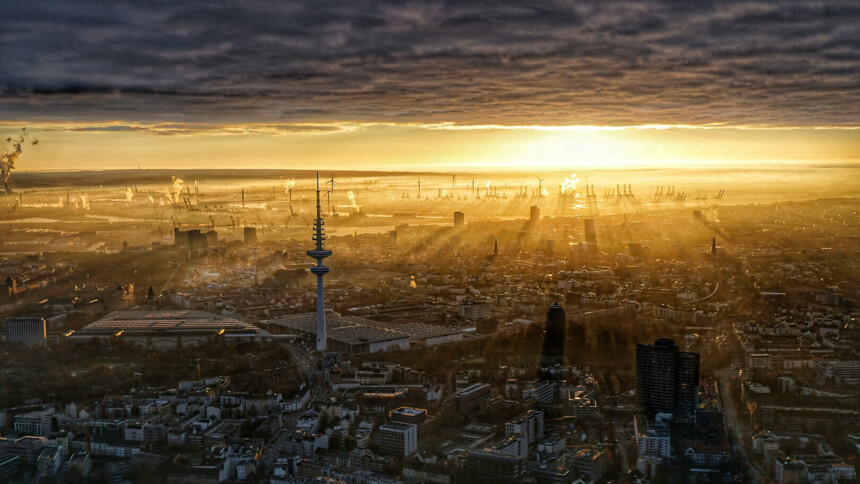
(319, 270)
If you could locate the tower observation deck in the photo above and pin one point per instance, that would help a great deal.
(319, 270)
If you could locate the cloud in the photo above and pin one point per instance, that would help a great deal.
(267, 63)
(185, 129)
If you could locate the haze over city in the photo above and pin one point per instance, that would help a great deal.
(430, 242)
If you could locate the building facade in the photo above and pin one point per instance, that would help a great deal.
(27, 331)
(529, 423)
(398, 438)
(556, 328)
(667, 380)
(471, 397)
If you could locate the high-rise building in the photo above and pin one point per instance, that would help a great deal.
(319, 270)
(398, 438)
(553, 342)
(194, 239)
(529, 424)
(590, 233)
(30, 331)
(459, 219)
(667, 380)
(534, 214)
(250, 235)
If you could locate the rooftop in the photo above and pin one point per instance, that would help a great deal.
(166, 321)
(588, 454)
(351, 330)
(471, 389)
(356, 329)
(412, 412)
(398, 426)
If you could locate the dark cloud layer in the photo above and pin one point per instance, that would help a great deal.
(554, 62)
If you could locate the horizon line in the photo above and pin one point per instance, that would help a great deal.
(715, 165)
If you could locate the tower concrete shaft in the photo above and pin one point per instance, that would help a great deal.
(319, 270)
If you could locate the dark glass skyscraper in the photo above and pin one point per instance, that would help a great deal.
(590, 233)
(553, 342)
(667, 380)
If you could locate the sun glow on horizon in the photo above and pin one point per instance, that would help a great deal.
(427, 147)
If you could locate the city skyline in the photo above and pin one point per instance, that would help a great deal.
(554, 242)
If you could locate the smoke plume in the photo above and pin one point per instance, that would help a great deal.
(129, 195)
(8, 159)
(351, 197)
(176, 189)
(569, 184)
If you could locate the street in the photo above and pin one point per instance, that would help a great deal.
(733, 423)
(305, 363)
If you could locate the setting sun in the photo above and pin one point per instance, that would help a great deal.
(427, 147)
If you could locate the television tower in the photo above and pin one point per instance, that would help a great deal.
(319, 270)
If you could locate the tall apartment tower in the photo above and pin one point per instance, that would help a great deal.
(28, 331)
(534, 214)
(667, 380)
(250, 235)
(590, 233)
(459, 219)
(553, 342)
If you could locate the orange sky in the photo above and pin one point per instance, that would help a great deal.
(430, 85)
(423, 147)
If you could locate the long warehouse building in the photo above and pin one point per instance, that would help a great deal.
(167, 329)
(358, 335)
